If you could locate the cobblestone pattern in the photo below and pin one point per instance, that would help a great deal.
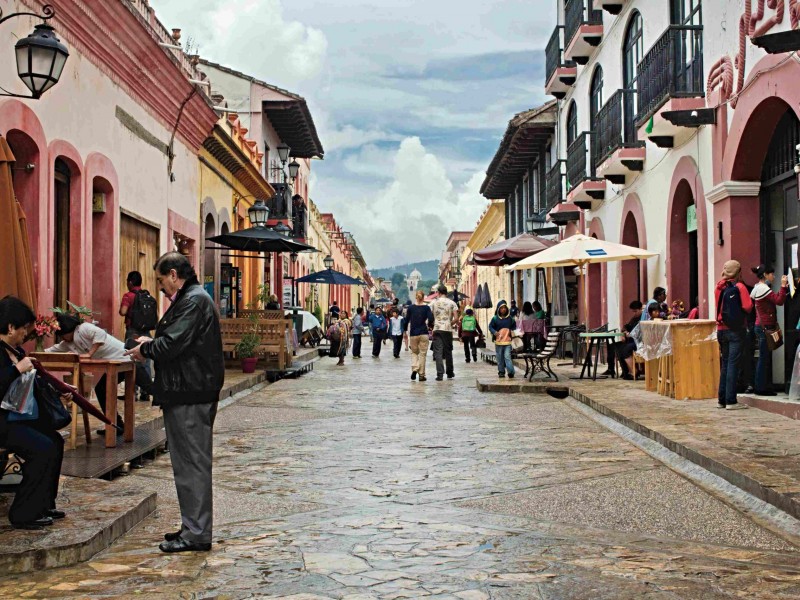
(356, 483)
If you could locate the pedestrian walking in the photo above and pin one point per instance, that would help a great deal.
(190, 371)
(445, 317)
(514, 311)
(419, 322)
(380, 328)
(733, 304)
(501, 327)
(396, 326)
(358, 331)
(339, 337)
(140, 310)
(469, 331)
(766, 303)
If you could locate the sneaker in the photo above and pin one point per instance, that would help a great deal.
(413, 375)
(721, 406)
(749, 389)
(511, 376)
(736, 406)
(501, 375)
(439, 378)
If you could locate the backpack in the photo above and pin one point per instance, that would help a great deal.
(730, 307)
(468, 323)
(143, 311)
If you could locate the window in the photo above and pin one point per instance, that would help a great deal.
(595, 95)
(632, 50)
(572, 123)
(685, 12)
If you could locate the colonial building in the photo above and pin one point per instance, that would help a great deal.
(451, 257)
(677, 131)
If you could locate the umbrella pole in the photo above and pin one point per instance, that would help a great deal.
(585, 301)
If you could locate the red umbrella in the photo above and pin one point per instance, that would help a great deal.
(507, 252)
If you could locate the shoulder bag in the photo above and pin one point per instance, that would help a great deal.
(774, 338)
(52, 411)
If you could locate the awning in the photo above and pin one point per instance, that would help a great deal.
(293, 123)
(507, 252)
(259, 239)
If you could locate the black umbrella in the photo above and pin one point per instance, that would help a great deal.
(259, 239)
(329, 277)
(487, 297)
(477, 301)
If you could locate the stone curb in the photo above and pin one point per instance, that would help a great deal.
(763, 491)
(92, 542)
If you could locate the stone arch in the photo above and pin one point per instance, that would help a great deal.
(687, 187)
(632, 273)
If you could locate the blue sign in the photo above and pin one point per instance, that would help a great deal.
(598, 252)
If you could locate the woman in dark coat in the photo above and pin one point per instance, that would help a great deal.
(42, 449)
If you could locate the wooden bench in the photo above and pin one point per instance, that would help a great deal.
(274, 334)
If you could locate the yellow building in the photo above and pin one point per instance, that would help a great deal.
(318, 237)
(230, 182)
(489, 230)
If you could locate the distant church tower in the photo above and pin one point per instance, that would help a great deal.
(413, 281)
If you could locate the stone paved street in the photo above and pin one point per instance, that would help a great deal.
(355, 482)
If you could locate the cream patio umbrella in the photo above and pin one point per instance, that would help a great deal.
(580, 250)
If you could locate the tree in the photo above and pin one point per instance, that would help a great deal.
(398, 281)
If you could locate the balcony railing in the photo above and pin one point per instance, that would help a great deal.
(579, 167)
(673, 68)
(554, 192)
(615, 126)
(577, 13)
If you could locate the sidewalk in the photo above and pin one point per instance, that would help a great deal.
(754, 450)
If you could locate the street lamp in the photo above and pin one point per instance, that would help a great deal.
(283, 153)
(40, 57)
(282, 229)
(293, 256)
(328, 262)
(294, 169)
(258, 213)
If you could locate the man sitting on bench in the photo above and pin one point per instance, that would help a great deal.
(623, 350)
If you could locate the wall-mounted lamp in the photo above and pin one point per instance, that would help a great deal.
(720, 239)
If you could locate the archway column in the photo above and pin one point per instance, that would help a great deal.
(737, 208)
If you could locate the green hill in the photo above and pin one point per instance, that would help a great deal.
(429, 270)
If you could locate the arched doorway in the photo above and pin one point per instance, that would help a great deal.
(209, 256)
(683, 250)
(104, 241)
(630, 270)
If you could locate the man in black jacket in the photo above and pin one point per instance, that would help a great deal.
(190, 370)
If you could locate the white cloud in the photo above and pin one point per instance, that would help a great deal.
(353, 137)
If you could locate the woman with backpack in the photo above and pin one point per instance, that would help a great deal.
(469, 331)
(733, 303)
(766, 302)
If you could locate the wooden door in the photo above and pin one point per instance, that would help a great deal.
(138, 251)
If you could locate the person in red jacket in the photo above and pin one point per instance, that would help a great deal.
(730, 335)
(766, 302)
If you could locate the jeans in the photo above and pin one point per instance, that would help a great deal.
(730, 346)
(443, 352)
(762, 381)
(356, 346)
(504, 362)
(377, 338)
(398, 345)
(469, 343)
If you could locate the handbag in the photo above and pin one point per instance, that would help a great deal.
(52, 412)
(19, 400)
(774, 338)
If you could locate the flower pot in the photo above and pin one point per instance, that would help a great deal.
(39, 344)
(249, 364)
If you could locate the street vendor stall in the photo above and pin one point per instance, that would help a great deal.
(682, 358)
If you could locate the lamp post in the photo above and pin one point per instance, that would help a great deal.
(328, 262)
(40, 57)
(258, 213)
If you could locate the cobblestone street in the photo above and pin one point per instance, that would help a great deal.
(355, 482)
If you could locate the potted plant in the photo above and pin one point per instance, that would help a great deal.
(247, 351)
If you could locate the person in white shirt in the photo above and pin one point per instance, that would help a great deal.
(396, 325)
(445, 318)
(89, 341)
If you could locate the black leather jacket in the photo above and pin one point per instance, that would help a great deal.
(187, 350)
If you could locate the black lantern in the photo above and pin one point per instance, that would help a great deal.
(40, 59)
(293, 256)
(258, 214)
(283, 152)
(283, 229)
(294, 169)
(328, 262)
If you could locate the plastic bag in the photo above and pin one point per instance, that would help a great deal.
(20, 400)
(794, 388)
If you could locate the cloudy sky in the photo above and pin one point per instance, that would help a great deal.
(410, 98)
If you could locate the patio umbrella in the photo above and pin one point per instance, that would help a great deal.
(580, 250)
(507, 252)
(329, 277)
(487, 297)
(16, 277)
(477, 301)
(259, 239)
(309, 320)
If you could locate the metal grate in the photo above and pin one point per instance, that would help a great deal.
(615, 126)
(782, 153)
(575, 15)
(554, 191)
(577, 162)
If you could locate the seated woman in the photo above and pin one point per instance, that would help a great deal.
(533, 326)
(42, 449)
(89, 341)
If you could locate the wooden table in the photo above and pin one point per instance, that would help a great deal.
(67, 362)
(111, 369)
(595, 339)
(685, 354)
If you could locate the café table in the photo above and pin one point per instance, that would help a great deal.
(595, 340)
(112, 369)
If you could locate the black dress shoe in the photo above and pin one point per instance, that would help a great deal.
(54, 513)
(413, 375)
(423, 378)
(34, 525)
(765, 393)
(182, 545)
(173, 535)
(102, 432)
(439, 378)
